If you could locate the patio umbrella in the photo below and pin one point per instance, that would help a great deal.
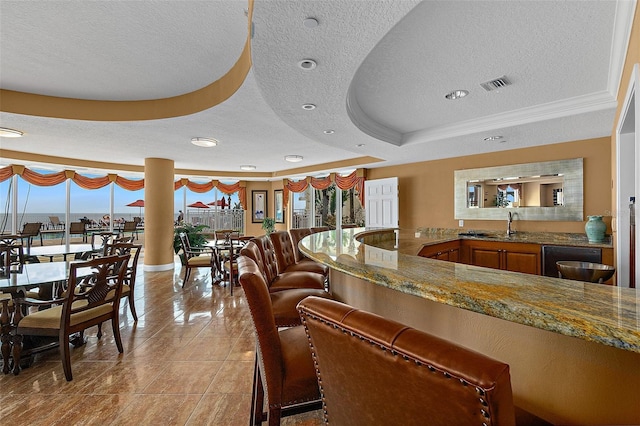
(198, 205)
(220, 203)
(137, 203)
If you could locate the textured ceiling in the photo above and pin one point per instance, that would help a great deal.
(383, 68)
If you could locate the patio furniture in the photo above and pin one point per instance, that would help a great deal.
(78, 228)
(132, 227)
(56, 223)
(30, 230)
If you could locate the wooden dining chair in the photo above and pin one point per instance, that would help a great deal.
(133, 251)
(92, 297)
(196, 257)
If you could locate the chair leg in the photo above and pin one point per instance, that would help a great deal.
(132, 307)
(116, 333)
(257, 397)
(65, 355)
(274, 416)
(17, 353)
(187, 271)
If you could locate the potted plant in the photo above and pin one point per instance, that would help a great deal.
(269, 225)
(194, 235)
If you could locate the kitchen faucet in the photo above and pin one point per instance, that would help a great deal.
(509, 220)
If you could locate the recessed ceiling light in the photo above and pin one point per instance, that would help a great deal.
(294, 158)
(308, 107)
(329, 132)
(360, 145)
(492, 138)
(456, 94)
(10, 133)
(307, 64)
(204, 142)
(247, 167)
(310, 22)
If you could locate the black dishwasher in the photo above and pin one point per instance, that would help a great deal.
(552, 254)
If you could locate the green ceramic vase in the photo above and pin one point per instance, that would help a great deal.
(595, 229)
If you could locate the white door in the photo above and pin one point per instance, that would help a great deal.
(628, 185)
(381, 203)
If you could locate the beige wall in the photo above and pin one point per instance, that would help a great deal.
(255, 229)
(426, 188)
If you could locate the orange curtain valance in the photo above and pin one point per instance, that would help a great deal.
(353, 180)
(239, 187)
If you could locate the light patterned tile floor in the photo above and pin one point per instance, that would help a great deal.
(188, 360)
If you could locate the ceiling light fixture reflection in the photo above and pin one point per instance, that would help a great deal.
(204, 142)
(247, 167)
(308, 107)
(294, 158)
(456, 94)
(329, 132)
(10, 133)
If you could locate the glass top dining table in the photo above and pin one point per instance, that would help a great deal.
(33, 275)
(63, 250)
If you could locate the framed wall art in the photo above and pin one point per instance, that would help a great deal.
(258, 206)
(278, 197)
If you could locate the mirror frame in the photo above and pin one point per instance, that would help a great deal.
(572, 210)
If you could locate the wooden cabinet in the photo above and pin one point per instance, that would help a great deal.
(517, 257)
(449, 251)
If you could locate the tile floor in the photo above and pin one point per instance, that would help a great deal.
(187, 361)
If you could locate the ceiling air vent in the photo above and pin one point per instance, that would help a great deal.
(496, 83)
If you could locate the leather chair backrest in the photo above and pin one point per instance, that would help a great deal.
(252, 251)
(283, 250)
(317, 229)
(268, 257)
(395, 374)
(298, 234)
(270, 350)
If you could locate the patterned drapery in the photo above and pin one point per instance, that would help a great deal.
(86, 182)
(353, 180)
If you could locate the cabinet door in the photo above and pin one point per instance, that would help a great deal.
(442, 251)
(486, 256)
(528, 263)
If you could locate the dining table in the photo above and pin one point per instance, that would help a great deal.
(49, 278)
(223, 248)
(63, 250)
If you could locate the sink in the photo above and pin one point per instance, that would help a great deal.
(474, 234)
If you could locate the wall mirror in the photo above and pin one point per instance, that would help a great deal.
(551, 190)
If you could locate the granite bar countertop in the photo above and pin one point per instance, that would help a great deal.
(594, 312)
